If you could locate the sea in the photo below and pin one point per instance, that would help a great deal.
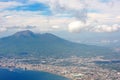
(6, 74)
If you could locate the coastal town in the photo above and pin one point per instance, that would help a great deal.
(73, 68)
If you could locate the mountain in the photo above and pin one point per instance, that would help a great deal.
(27, 43)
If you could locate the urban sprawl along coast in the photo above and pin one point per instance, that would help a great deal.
(74, 68)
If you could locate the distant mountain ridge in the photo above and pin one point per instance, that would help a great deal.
(27, 43)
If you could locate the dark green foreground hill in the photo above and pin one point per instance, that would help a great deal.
(27, 43)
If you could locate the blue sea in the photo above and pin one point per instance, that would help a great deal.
(6, 74)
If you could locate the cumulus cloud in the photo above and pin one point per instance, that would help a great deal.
(106, 28)
(74, 8)
(76, 26)
(22, 19)
(71, 15)
(104, 7)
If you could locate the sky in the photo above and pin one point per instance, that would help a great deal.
(88, 21)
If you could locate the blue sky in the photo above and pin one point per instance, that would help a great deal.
(75, 17)
(32, 7)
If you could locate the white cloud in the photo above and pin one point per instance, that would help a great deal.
(22, 19)
(106, 28)
(92, 26)
(55, 27)
(76, 26)
(102, 19)
(111, 6)
(104, 12)
(118, 17)
(98, 15)
(75, 8)
(10, 4)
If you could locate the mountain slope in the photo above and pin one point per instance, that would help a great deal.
(27, 43)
